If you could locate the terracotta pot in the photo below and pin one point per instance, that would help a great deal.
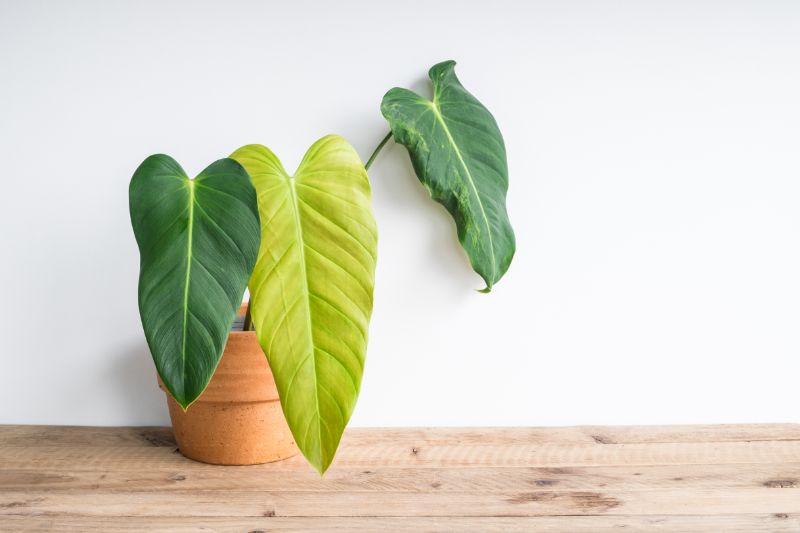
(238, 418)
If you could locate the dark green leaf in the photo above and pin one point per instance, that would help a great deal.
(198, 240)
(459, 156)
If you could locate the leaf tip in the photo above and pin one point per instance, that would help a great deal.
(185, 402)
(321, 468)
(442, 65)
(485, 290)
(184, 405)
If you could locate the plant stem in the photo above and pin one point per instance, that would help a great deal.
(378, 149)
(248, 319)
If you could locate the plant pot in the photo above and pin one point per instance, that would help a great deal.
(238, 419)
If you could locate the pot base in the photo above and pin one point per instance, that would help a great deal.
(226, 433)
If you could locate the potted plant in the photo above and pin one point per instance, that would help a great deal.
(307, 245)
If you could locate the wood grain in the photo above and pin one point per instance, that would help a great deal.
(734, 523)
(690, 479)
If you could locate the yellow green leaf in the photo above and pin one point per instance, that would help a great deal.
(311, 289)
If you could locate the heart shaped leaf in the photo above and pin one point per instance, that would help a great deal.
(458, 154)
(311, 289)
(198, 240)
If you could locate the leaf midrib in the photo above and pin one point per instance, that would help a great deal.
(434, 105)
(190, 184)
(307, 293)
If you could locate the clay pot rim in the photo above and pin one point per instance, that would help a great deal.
(216, 393)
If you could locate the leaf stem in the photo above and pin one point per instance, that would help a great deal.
(248, 319)
(377, 150)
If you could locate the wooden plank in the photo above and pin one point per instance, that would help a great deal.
(401, 455)
(70, 436)
(679, 478)
(199, 477)
(579, 434)
(342, 503)
(712, 433)
(737, 523)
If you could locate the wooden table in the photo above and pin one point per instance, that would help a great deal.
(703, 479)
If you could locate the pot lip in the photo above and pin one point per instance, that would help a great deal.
(246, 340)
(240, 333)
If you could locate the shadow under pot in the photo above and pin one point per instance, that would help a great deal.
(238, 419)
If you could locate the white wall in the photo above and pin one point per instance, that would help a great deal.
(654, 151)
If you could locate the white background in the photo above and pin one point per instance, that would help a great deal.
(654, 154)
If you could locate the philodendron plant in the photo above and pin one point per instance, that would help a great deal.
(306, 245)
